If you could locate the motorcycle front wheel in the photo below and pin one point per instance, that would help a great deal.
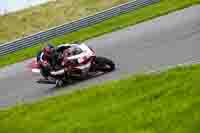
(104, 64)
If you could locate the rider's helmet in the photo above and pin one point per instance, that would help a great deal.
(48, 50)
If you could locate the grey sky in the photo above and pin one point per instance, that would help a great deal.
(14, 5)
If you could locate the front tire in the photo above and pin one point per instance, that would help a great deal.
(104, 64)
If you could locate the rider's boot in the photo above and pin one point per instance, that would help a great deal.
(59, 83)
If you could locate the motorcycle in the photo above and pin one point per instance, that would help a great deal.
(84, 64)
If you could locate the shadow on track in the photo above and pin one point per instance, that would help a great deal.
(73, 82)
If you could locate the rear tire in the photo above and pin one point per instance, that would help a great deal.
(104, 64)
(45, 71)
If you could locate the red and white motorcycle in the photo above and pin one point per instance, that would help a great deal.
(84, 61)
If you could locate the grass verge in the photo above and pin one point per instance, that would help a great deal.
(159, 102)
(146, 13)
(45, 16)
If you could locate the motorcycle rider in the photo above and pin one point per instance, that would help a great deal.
(48, 59)
(66, 64)
(71, 56)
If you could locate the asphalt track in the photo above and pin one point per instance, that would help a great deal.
(156, 44)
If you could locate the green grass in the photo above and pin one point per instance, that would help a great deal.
(167, 102)
(132, 18)
(35, 19)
